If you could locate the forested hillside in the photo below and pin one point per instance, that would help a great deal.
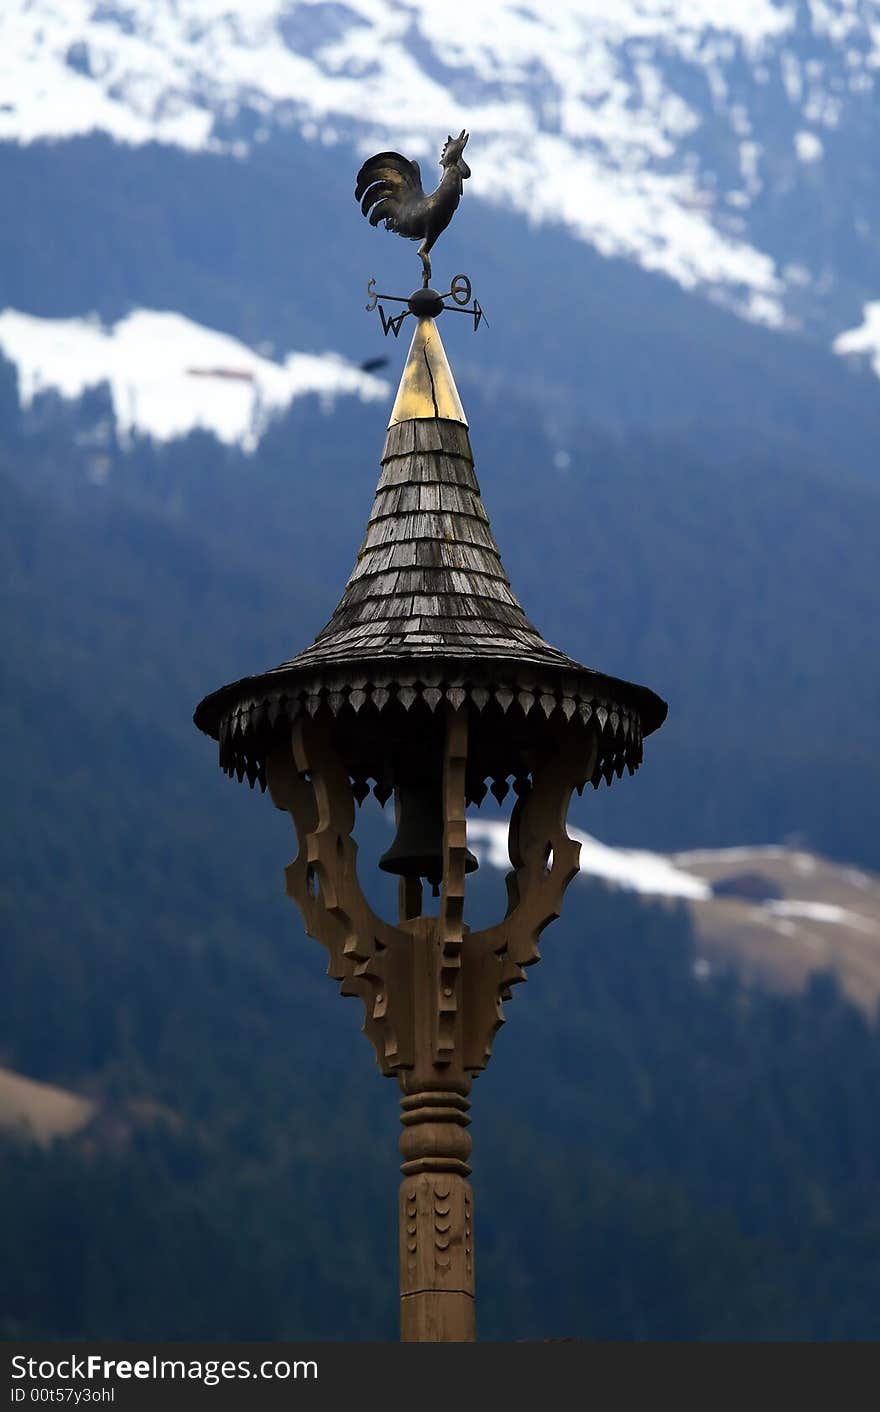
(151, 961)
(739, 586)
(666, 235)
(657, 1156)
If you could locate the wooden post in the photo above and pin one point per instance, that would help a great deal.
(436, 1219)
(436, 1201)
(432, 990)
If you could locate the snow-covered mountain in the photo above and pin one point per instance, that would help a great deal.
(635, 870)
(168, 375)
(186, 256)
(775, 914)
(731, 146)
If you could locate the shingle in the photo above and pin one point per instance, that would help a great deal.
(429, 434)
(429, 497)
(402, 556)
(400, 440)
(378, 585)
(387, 502)
(452, 470)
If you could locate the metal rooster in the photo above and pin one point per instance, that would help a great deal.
(389, 188)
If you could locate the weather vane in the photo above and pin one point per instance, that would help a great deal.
(389, 189)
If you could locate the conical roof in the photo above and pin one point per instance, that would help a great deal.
(428, 609)
(429, 581)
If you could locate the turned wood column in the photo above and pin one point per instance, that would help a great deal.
(436, 1218)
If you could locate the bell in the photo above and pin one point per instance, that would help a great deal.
(417, 850)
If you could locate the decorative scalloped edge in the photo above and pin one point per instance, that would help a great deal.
(243, 733)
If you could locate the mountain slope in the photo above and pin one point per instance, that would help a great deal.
(168, 376)
(232, 245)
(776, 551)
(149, 955)
(777, 916)
(635, 1116)
(728, 146)
(675, 420)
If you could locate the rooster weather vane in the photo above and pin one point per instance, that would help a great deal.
(389, 189)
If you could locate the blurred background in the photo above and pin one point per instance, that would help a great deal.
(672, 226)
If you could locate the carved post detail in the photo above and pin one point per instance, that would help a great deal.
(451, 925)
(436, 1201)
(436, 1219)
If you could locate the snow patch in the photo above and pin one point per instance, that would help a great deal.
(822, 912)
(633, 869)
(740, 854)
(865, 339)
(857, 878)
(808, 147)
(659, 875)
(584, 111)
(169, 376)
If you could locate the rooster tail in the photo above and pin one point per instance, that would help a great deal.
(387, 165)
(384, 187)
(386, 209)
(385, 184)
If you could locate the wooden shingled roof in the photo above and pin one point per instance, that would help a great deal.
(429, 581)
(428, 610)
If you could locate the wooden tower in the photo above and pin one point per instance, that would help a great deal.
(429, 683)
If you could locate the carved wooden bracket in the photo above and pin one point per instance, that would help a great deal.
(310, 783)
(544, 861)
(432, 991)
